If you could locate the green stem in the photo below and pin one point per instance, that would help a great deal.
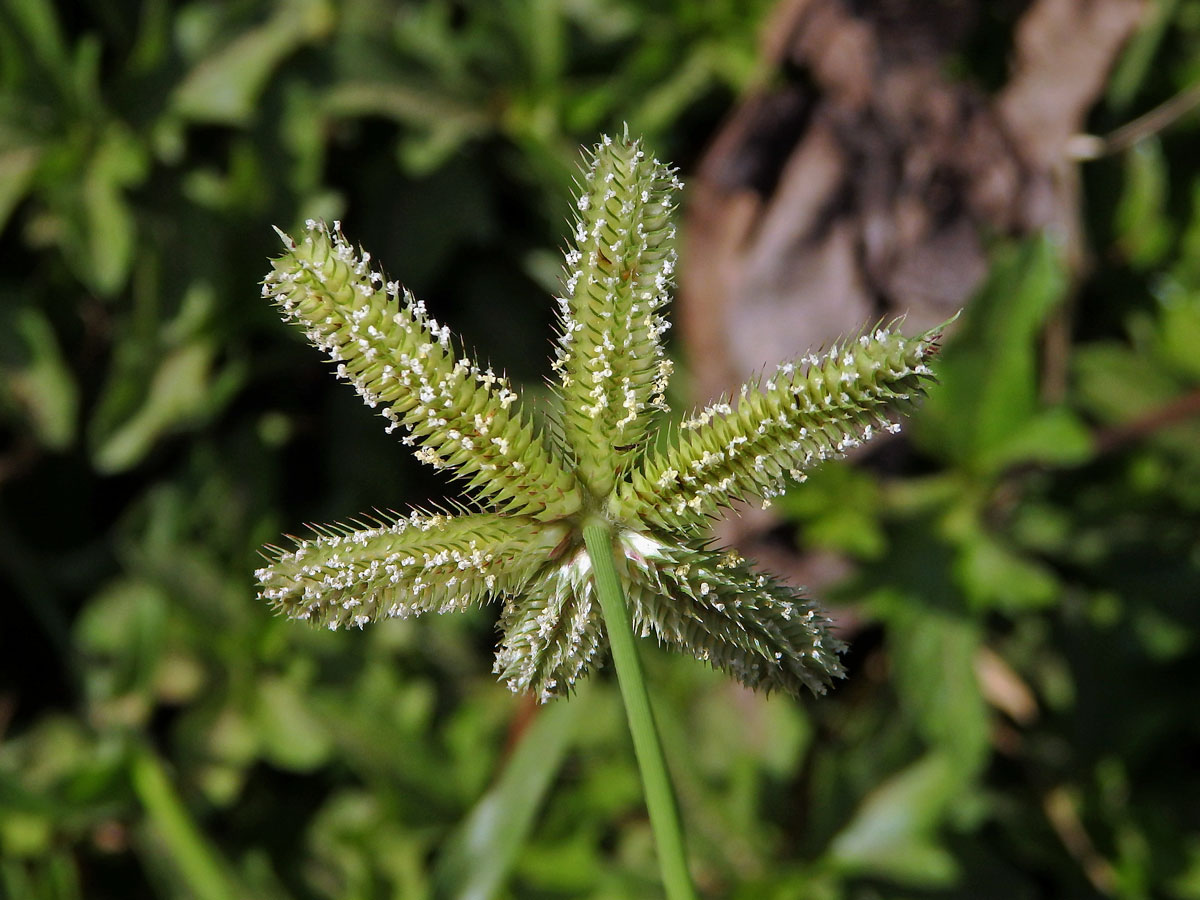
(199, 865)
(660, 797)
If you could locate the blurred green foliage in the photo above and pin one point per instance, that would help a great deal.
(1021, 717)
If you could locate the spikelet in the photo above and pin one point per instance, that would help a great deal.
(714, 606)
(619, 270)
(553, 632)
(777, 427)
(405, 566)
(403, 363)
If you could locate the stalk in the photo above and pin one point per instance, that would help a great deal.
(656, 782)
(197, 862)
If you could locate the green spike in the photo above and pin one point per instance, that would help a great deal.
(411, 565)
(553, 632)
(405, 365)
(780, 426)
(714, 606)
(610, 360)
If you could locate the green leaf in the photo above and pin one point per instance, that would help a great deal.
(933, 657)
(39, 22)
(224, 88)
(178, 394)
(17, 167)
(410, 102)
(423, 152)
(892, 834)
(1130, 72)
(1162, 637)
(439, 123)
(691, 77)
(1117, 385)
(121, 633)
(365, 850)
(190, 856)
(1143, 224)
(55, 877)
(1186, 269)
(108, 226)
(997, 577)
(290, 734)
(1186, 884)
(1179, 332)
(988, 369)
(44, 387)
(1050, 437)
(478, 856)
(838, 508)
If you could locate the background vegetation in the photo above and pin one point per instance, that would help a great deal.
(1020, 718)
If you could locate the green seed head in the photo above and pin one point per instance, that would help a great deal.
(524, 545)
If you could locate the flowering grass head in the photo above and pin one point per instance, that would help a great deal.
(531, 491)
